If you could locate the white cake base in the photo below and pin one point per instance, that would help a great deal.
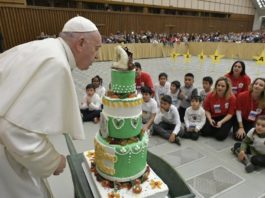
(147, 190)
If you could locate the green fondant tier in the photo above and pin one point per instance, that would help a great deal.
(120, 163)
(125, 127)
(123, 81)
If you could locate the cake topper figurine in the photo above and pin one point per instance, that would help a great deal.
(123, 59)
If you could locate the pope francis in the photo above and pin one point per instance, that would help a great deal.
(38, 98)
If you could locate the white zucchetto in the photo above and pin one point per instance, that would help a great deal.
(79, 24)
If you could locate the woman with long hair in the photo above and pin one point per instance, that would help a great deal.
(239, 79)
(219, 108)
(250, 104)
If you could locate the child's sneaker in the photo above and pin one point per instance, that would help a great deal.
(250, 168)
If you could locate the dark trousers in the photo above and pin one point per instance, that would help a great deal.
(257, 160)
(191, 135)
(90, 115)
(219, 133)
(163, 129)
(182, 113)
(246, 124)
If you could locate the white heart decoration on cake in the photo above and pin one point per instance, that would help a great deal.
(134, 122)
(118, 122)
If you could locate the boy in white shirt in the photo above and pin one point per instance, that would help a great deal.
(174, 92)
(162, 87)
(194, 119)
(149, 108)
(91, 105)
(167, 123)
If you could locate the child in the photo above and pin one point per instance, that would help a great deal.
(253, 145)
(167, 123)
(97, 83)
(91, 105)
(174, 92)
(162, 87)
(185, 94)
(207, 83)
(194, 119)
(149, 108)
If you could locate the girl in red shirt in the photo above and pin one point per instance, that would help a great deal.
(250, 104)
(219, 108)
(239, 79)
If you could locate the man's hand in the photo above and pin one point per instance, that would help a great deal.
(61, 166)
(241, 155)
(240, 134)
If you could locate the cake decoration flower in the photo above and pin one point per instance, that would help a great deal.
(155, 183)
(114, 195)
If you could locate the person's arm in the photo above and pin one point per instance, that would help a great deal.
(34, 151)
(150, 121)
(157, 97)
(244, 145)
(209, 117)
(177, 120)
(96, 103)
(84, 103)
(186, 120)
(203, 120)
(224, 120)
(158, 117)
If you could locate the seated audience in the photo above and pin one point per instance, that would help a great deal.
(250, 104)
(142, 78)
(167, 123)
(194, 119)
(219, 108)
(252, 149)
(207, 83)
(186, 92)
(174, 92)
(91, 105)
(162, 87)
(97, 83)
(239, 79)
(149, 108)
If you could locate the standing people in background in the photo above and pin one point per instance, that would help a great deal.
(149, 108)
(207, 83)
(186, 92)
(91, 105)
(174, 93)
(239, 79)
(252, 149)
(142, 78)
(250, 104)
(43, 103)
(97, 83)
(219, 108)
(162, 87)
(194, 119)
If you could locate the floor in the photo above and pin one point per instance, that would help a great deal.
(208, 166)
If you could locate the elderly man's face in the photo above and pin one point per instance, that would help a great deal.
(88, 50)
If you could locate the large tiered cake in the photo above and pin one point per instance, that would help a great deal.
(120, 145)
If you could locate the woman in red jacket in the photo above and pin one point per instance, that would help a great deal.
(250, 104)
(219, 108)
(239, 79)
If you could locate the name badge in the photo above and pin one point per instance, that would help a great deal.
(252, 115)
(217, 108)
(192, 126)
(234, 90)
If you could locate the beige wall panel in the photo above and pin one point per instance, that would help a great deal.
(138, 1)
(222, 7)
(188, 4)
(150, 2)
(194, 5)
(201, 5)
(206, 5)
(173, 3)
(157, 2)
(164, 2)
(212, 6)
(181, 3)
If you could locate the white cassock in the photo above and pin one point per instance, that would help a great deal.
(37, 98)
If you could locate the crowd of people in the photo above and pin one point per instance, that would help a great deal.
(169, 39)
(174, 111)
